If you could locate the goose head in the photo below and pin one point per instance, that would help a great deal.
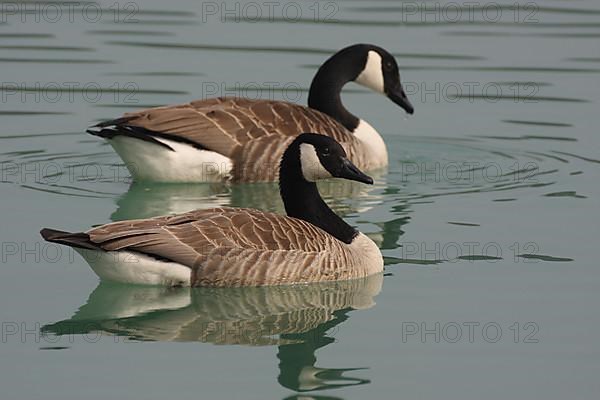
(316, 157)
(377, 70)
(365, 64)
(309, 158)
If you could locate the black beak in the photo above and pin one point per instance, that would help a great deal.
(351, 172)
(398, 96)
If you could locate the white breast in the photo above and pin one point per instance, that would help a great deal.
(373, 142)
(367, 254)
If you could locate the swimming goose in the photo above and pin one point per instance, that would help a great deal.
(242, 139)
(241, 246)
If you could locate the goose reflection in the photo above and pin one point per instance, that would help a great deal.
(311, 397)
(145, 200)
(296, 318)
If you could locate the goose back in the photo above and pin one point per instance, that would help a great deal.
(253, 133)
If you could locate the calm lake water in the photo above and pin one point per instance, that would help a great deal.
(488, 216)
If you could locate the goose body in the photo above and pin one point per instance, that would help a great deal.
(237, 246)
(243, 140)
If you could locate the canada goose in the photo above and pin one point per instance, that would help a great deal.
(243, 140)
(241, 246)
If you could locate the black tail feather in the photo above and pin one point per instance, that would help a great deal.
(121, 127)
(78, 239)
(114, 122)
(129, 131)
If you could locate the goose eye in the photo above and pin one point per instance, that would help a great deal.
(388, 65)
(325, 151)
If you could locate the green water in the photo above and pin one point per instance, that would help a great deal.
(488, 216)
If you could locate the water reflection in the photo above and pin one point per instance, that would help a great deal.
(311, 397)
(297, 370)
(298, 319)
(145, 200)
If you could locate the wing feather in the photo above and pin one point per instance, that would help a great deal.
(225, 124)
(199, 232)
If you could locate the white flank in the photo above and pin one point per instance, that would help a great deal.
(312, 169)
(372, 75)
(368, 252)
(374, 142)
(151, 162)
(136, 268)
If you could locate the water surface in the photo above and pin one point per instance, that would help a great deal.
(487, 215)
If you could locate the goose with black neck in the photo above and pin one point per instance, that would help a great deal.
(240, 139)
(241, 246)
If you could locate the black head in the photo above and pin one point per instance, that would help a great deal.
(376, 69)
(365, 64)
(308, 158)
(321, 157)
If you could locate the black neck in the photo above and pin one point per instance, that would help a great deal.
(325, 89)
(302, 199)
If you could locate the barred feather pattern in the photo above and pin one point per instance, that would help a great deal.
(253, 133)
(243, 247)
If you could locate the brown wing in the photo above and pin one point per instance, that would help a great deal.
(229, 246)
(227, 125)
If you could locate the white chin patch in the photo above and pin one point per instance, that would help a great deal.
(372, 75)
(312, 169)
